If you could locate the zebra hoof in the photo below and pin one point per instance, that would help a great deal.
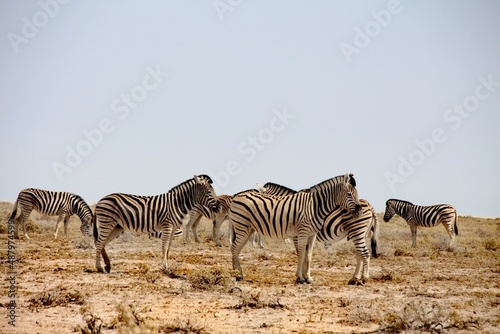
(300, 281)
(100, 270)
(355, 281)
(108, 268)
(239, 278)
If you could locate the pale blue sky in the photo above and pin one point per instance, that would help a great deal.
(404, 94)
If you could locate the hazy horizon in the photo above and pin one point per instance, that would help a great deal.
(134, 97)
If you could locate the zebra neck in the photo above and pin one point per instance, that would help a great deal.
(402, 209)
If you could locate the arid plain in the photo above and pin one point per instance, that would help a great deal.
(432, 288)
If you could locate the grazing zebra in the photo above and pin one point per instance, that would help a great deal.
(340, 224)
(224, 201)
(426, 216)
(300, 215)
(145, 214)
(53, 203)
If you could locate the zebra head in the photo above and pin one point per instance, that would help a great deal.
(83, 211)
(390, 210)
(206, 196)
(346, 196)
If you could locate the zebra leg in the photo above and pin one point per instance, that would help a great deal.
(301, 246)
(413, 229)
(216, 230)
(239, 240)
(194, 229)
(66, 222)
(101, 251)
(308, 259)
(22, 219)
(362, 272)
(166, 241)
(58, 224)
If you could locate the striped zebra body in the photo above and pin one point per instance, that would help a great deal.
(425, 216)
(149, 214)
(52, 203)
(300, 215)
(340, 224)
(218, 218)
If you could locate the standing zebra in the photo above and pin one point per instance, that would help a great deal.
(224, 201)
(53, 203)
(340, 224)
(300, 215)
(146, 214)
(426, 216)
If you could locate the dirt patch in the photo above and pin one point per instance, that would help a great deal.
(432, 288)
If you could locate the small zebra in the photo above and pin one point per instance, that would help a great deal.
(340, 224)
(146, 214)
(224, 201)
(53, 203)
(300, 215)
(426, 216)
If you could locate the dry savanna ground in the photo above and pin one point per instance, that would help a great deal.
(432, 288)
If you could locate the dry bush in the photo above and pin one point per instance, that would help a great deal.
(254, 301)
(210, 278)
(418, 315)
(56, 297)
(187, 326)
(93, 324)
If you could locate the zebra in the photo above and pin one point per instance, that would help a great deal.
(340, 224)
(426, 216)
(145, 214)
(224, 201)
(300, 215)
(53, 203)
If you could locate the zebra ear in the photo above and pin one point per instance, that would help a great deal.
(352, 181)
(197, 179)
(261, 187)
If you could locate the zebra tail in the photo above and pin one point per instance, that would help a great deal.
(375, 233)
(95, 230)
(456, 223)
(14, 213)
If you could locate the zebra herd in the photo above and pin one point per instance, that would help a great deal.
(326, 212)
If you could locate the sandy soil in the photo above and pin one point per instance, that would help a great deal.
(432, 288)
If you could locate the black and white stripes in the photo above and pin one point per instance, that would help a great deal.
(340, 224)
(426, 216)
(146, 214)
(52, 203)
(300, 215)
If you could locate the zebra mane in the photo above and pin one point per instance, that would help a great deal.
(246, 191)
(398, 201)
(188, 181)
(330, 182)
(275, 185)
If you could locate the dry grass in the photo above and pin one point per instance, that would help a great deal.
(432, 288)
